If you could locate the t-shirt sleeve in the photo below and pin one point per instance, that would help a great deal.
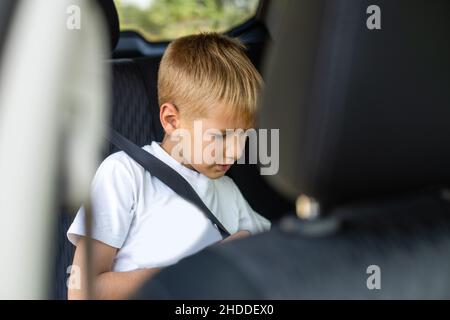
(112, 201)
(249, 219)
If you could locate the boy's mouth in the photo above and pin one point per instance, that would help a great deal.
(223, 167)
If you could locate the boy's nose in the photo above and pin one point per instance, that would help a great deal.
(234, 149)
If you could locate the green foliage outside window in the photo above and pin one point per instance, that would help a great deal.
(159, 20)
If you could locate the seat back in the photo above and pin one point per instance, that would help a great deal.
(365, 111)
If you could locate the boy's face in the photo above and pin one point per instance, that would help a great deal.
(209, 145)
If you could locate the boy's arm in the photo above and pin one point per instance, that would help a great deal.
(249, 219)
(237, 235)
(106, 284)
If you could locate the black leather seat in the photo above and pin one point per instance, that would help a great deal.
(135, 112)
(365, 139)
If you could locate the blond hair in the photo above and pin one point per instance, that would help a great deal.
(201, 71)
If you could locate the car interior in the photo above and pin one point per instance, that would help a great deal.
(363, 178)
(135, 115)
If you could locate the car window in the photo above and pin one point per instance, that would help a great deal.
(160, 20)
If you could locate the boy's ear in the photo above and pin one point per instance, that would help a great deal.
(169, 117)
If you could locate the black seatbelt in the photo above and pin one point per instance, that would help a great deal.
(165, 174)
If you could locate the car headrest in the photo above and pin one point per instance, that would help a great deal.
(112, 19)
(363, 113)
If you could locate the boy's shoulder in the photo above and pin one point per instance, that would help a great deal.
(120, 163)
(117, 159)
(121, 157)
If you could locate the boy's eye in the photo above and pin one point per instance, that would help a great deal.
(231, 134)
(218, 135)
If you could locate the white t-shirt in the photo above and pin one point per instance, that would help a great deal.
(149, 223)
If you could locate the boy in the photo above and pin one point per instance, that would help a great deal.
(140, 225)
